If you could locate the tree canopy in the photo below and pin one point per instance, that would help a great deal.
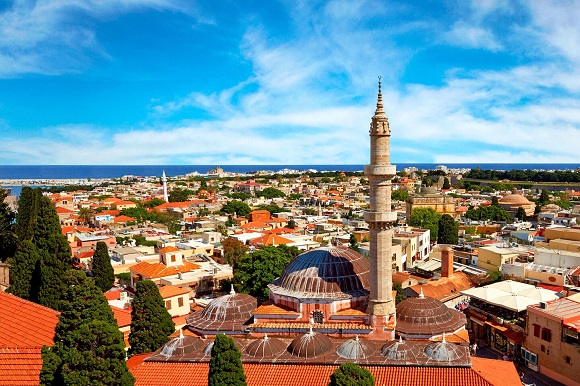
(256, 270)
(103, 272)
(234, 250)
(448, 230)
(151, 323)
(399, 195)
(180, 195)
(239, 208)
(25, 272)
(270, 193)
(491, 213)
(7, 231)
(225, 365)
(88, 346)
(425, 218)
(353, 242)
(350, 374)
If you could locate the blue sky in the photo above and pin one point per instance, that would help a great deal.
(287, 82)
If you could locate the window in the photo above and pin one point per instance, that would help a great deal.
(168, 304)
(173, 258)
(546, 334)
(543, 348)
(180, 302)
(536, 330)
(568, 359)
(317, 316)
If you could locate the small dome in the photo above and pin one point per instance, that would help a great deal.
(329, 272)
(310, 345)
(181, 346)
(426, 316)
(226, 313)
(428, 190)
(443, 351)
(514, 199)
(266, 347)
(399, 350)
(355, 349)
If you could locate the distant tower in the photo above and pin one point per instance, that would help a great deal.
(164, 180)
(380, 219)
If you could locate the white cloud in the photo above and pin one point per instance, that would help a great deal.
(466, 35)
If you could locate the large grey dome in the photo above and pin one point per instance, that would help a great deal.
(310, 345)
(329, 272)
(397, 350)
(443, 351)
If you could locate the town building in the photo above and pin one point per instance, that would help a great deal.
(429, 197)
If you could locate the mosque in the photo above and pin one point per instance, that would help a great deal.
(332, 305)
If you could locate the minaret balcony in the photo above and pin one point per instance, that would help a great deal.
(380, 217)
(381, 170)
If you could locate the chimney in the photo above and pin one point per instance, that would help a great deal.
(446, 262)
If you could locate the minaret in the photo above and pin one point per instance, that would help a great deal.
(380, 219)
(164, 180)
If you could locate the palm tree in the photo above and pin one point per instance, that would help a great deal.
(86, 214)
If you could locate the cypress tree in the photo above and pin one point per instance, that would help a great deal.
(225, 365)
(89, 347)
(448, 230)
(350, 374)
(103, 272)
(28, 204)
(25, 272)
(151, 323)
(446, 184)
(48, 233)
(52, 286)
(7, 231)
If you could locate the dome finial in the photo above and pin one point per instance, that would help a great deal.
(443, 338)
(180, 334)
(232, 291)
(310, 332)
(421, 295)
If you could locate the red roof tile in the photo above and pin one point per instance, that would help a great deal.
(20, 366)
(24, 323)
(482, 373)
(122, 316)
(169, 291)
(161, 270)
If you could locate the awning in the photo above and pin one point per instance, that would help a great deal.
(478, 321)
(515, 337)
(497, 326)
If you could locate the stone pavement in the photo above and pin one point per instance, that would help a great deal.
(530, 376)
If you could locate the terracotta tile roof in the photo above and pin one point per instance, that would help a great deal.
(119, 219)
(24, 323)
(113, 295)
(109, 212)
(75, 229)
(169, 205)
(351, 312)
(169, 291)
(61, 210)
(161, 270)
(306, 326)
(20, 366)
(195, 374)
(445, 288)
(270, 239)
(169, 249)
(85, 255)
(461, 336)
(268, 308)
(122, 316)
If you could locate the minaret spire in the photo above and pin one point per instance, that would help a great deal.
(380, 219)
(164, 180)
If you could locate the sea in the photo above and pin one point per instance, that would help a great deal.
(19, 175)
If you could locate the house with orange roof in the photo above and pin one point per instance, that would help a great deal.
(108, 202)
(25, 327)
(123, 319)
(123, 220)
(90, 239)
(270, 239)
(176, 301)
(120, 205)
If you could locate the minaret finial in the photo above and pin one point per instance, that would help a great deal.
(380, 84)
(379, 112)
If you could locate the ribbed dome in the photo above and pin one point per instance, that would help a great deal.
(310, 345)
(443, 351)
(266, 347)
(355, 349)
(427, 316)
(331, 272)
(514, 199)
(181, 346)
(399, 350)
(228, 312)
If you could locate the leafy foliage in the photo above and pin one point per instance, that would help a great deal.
(151, 323)
(256, 270)
(7, 231)
(273, 208)
(89, 348)
(27, 213)
(446, 183)
(524, 175)
(153, 203)
(492, 213)
(350, 374)
(234, 250)
(353, 242)
(399, 195)
(270, 193)
(103, 272)
(521, 214)
(51, 280)
(25, 272)
(225, 365)
(400, 295)
(448, 230)
(180, 195)
(426, 218)
(239, 208)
